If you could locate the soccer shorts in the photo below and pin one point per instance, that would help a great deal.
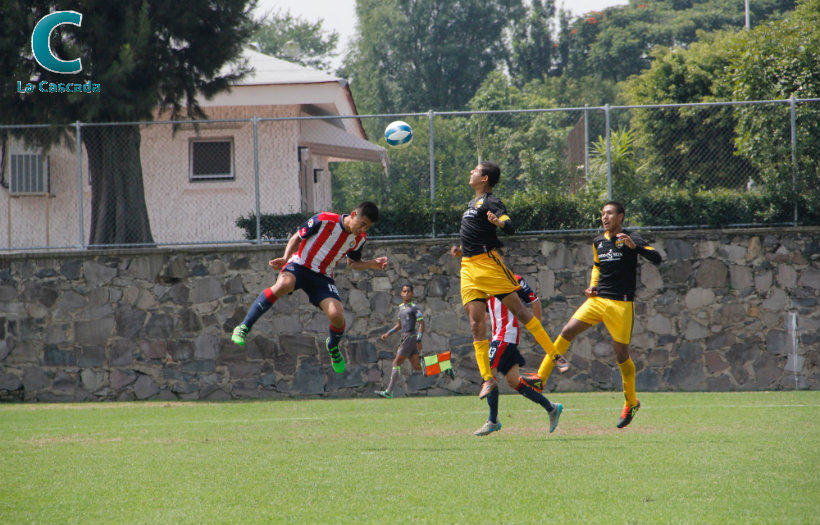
(617, 316)
(504, 356)
(408, 346)
(485, 274)
(317, 286)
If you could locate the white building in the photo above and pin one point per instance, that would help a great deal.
(199, 179)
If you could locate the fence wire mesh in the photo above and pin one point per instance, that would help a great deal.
(258, 179)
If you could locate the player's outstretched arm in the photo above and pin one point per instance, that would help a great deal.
(379, 263)
(280, 262)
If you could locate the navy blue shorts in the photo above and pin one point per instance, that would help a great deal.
(504, 356)
(315, 285)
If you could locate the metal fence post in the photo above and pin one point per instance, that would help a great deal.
(255, 121)
(432, 172)
(608, 155)
(793, 118)
(586, 140)
(80, 218)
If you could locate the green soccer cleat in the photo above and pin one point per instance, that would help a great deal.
(239, 335)
(336, 358)
(557, 408)
(387, 394)
(627, 414)
(487, 428)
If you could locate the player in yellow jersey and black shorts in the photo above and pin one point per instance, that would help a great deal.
(483, 271)
(610, 299)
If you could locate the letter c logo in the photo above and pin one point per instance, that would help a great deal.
(41, 47)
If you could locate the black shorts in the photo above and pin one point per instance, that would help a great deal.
(504, 356)
(317, 286)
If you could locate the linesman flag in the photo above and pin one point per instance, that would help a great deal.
(437, 363)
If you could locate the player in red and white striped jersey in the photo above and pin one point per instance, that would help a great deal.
(506, 358)
(308, 263)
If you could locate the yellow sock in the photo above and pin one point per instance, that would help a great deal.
(561, 345)
(541, 337)
(482, 357)
(628, 375)
(546, 367)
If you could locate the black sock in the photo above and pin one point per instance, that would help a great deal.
(492, 400)
(534, 396)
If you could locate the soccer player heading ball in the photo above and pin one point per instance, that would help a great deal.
(483, 272)
(310, 257)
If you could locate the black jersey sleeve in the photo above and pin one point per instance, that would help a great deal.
(645, 250)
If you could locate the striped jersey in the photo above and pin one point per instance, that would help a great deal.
(503, 323)
(325, 242)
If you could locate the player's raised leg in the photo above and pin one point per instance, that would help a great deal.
(335, 313)
(284, 284)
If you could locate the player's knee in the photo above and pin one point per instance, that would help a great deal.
(512, 380)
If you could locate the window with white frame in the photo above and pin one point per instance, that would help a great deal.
(211, 159)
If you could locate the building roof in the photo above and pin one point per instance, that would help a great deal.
(268, 70)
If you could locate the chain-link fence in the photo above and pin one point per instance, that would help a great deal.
(254, 180)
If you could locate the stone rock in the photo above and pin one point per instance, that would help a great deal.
(129, 320)
(810, 278)
(647, 380)
(97, 275)
(732, 252)
(685, 375)
(698, 298)
(10, 382)
(92, 380)
(206, 290)
(679, 272)
(678, 249)
(693, 330)
(93, 332)
(121, 352)
(786, 276)
(358, 301)
(740, 277)
(711, 274)
(660, 325)
(173, 271)
(35, 379)
(92, 357)
(55, 356)
(145, 387)
(207, 347)
(715, 363)
(350, 378)
(753, 250)
(778, 342)
(731, 314)
(309, 377)
(794, 364)
(159, 326)
(651, 277)
(437, 286)
(776, 300)
(766, 371)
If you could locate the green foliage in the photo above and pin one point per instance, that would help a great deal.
(418, 55)
(690, 145)
(778, 61)
(532, 43)
(273, 227)
(627, 180)
(316, 46)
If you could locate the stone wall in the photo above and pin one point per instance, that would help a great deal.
(727, 310)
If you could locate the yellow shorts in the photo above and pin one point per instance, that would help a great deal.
(617, 316)
(485, 274)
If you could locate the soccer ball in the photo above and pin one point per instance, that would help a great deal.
(398, 134)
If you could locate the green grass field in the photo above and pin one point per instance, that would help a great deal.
(745, 458)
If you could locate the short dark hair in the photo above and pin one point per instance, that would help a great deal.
(619, 208)
(370, 210)
(407, 285)
(491, 170)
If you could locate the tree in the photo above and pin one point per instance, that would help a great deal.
(145, 57)
(691, 146)
(416, 55)
(316, 47)
(532, 43)
(772, 62)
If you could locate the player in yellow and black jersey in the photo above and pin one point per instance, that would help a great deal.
(610, 299)
(484, 273)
